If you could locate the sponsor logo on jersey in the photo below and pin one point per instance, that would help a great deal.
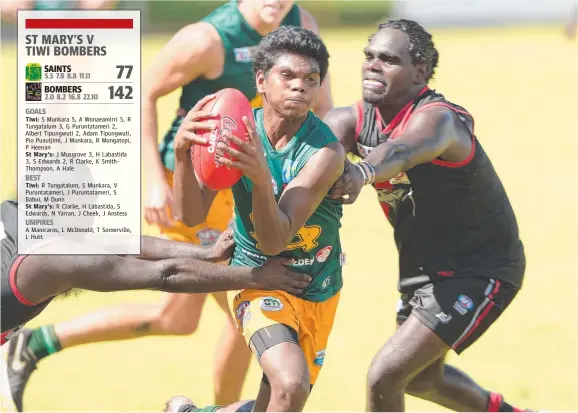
(323, 253)
(245, 54)
(320, 358)
(271, 304)
(326, 282)
(303, 262)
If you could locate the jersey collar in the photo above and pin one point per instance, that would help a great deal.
(397, 119)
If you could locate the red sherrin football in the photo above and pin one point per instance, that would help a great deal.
(231, 105)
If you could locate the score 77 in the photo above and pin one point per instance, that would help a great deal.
(121, 69)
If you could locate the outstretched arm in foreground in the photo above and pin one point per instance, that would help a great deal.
(43, 276)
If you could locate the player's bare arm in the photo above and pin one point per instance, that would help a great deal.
(187, 188)
(432, 133)
(194, 51)
(342, 122)
(324, 101)
(277, 224)
(41, 277)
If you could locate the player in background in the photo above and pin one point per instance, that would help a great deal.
(289, 163)
(461, 261)
(9, 9)
(30, 282)
(201, 59)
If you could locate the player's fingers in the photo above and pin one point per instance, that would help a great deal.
(230, 163)
(201, 127)
(165, 220)
(194, 138)
(147, 216)
(155, 217)
(254, 138)
(232, 152)
(203, 102)
(299, 279)
(284, 260)
(203, 114)
(241, 144)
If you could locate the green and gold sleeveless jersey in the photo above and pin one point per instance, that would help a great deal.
(239, 41)
(316, 247)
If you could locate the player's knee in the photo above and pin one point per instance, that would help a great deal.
(176, 324)
(290, 390)
(384, 376)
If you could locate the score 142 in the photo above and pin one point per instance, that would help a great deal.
(121, 92)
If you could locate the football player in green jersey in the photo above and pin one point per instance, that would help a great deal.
(289, 162)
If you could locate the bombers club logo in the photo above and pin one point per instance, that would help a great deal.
(228, 125)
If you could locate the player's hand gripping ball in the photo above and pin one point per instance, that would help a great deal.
(247, 155)
(213, 120)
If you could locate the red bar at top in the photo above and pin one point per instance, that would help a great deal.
(79, 23)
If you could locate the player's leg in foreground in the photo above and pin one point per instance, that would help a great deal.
(412, 361)
(176, 314)
(288, 353)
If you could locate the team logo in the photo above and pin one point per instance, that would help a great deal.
(305, 239)
(33, 92)
(323, 253)
(271, 304)
(275, 187)
(320, 358)
(393, 193)
(463, 304)
(208, 236)
(33, 72)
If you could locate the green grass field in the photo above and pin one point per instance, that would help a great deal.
(520, 84)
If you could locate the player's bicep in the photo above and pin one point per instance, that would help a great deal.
(305, 192)
(428, 135)
(184, 58)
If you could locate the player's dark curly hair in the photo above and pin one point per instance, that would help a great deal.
(294, 40)
(421, 46)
